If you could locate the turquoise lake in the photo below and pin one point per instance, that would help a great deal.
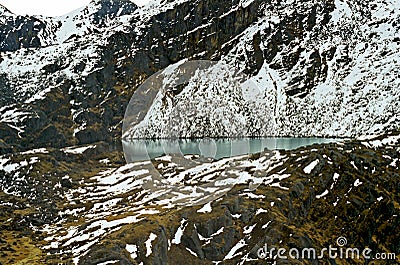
(141, 150)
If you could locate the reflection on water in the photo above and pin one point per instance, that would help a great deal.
(141, 150)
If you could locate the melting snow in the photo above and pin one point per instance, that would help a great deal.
(335, 179)
(206, 208)
(249, 229)
(394, 162)
(218, 232)
(3, 161)
(152, 237)
(132, 249)
(260, 211)
(191, 252)
(357, 183)
(78, 150)
(266, 225)
(322, 194)
(232, 252)
(311, 166)
(111, 262)
(35, 151)
(105, 161)
(253, 196)
(15, 166)
(179, 232)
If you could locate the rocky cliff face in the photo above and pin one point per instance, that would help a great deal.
(319, 68)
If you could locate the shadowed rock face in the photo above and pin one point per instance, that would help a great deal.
(326, 67)
(19, 32)
(110, 9)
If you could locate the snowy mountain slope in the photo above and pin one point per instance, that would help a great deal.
(97, 73)
(39, 31)
(92, 18)
(336, 74)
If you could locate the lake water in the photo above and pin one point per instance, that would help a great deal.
(141, 150)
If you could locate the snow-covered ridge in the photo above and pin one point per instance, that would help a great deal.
(95, 18)
(4, 11)
(89, 19)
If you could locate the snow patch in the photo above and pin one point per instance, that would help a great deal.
(206, 208)
(357, 183)
(232, 253)
(311, 166)
(132, 249)
(152, 237)
(322, 194)
(179, 232)
(78, 150)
